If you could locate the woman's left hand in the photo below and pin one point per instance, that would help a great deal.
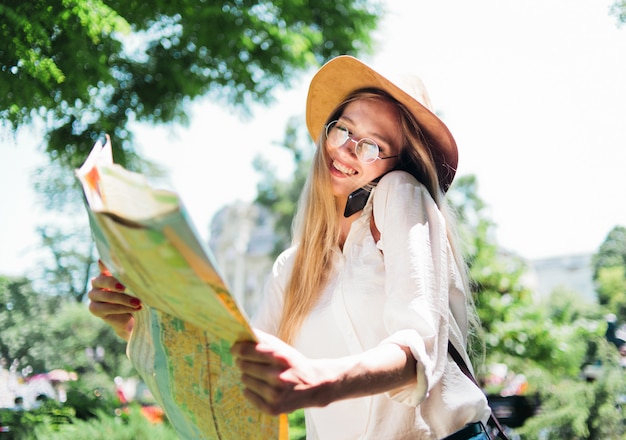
(278, 378)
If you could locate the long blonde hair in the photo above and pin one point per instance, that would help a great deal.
(316, 226)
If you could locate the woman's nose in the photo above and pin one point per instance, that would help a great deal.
(350, 146)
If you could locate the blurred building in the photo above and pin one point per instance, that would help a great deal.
(242, 240)
(569, 272)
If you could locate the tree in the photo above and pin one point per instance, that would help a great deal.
(612, 252)
(609, 272)
(73, 262)
(495, 275)
(618, 9)
(88, 68)
(280, 196)
(91, 67)
(573, 408)
(42, 332)
(65, 235)
(22, 316)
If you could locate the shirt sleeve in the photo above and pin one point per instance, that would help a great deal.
(268, 314)
(417, 264)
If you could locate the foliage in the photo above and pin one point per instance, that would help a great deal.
(70, 260)
(65, 235)
(23, 322)
(618, 9)
(57, 422)
(611, 289)
(49, 417)
(476, 229)
(577, 409)
(91, 410)
(126, 426)
(42, 333)
(91, 395)
(609, 272)
(87, 68)
(280, 196)
(73, 260)
(496, 277)
(612, 252)
(547, 340)
(93, 347)
(297, 429)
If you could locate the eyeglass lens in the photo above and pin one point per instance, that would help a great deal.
(365, 149)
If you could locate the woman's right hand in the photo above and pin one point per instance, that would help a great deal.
(109, 303)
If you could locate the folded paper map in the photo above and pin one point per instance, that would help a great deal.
(181, 341)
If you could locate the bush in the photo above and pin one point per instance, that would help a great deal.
(297, 430)
(91, 396)
(54, 422)
(50, 416)
(130, 425)
(583, 408)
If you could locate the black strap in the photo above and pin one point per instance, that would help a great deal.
(456, 356)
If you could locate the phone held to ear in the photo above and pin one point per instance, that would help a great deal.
(356, 201)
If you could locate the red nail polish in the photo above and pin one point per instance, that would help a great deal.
(120, 286)
(135, 302)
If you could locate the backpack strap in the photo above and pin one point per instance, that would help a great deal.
(456, 356)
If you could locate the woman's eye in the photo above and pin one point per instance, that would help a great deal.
(344, 129)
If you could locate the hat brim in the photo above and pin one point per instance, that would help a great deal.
(343, 75)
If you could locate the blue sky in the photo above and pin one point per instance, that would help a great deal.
(533, 91)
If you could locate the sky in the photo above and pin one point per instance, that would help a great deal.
(534, 92)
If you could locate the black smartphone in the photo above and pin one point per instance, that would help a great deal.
(356, 201)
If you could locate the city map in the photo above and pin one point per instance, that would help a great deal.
(180, 344)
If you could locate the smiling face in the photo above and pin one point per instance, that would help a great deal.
(365, 118)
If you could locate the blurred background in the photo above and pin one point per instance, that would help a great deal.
(208, 100)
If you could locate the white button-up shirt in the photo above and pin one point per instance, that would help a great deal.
(405, 289)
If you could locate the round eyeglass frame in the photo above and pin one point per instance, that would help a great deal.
(365, 149)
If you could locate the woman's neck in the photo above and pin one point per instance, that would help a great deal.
(345, 223)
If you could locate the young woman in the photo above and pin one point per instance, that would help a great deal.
(358, 313)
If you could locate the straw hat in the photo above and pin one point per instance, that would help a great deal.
(345, 74)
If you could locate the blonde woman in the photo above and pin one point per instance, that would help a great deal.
(358, 313)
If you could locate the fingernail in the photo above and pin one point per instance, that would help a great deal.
(135, 302)
(120, 286)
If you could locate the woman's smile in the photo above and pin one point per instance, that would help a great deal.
(343, 168)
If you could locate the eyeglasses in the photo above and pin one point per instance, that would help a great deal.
(366, 150)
